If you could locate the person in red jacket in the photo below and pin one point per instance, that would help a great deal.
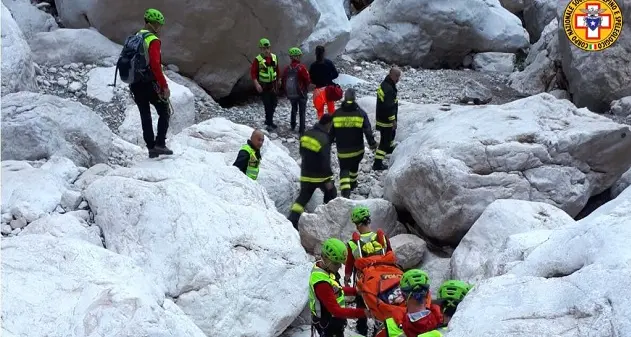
(264, 73)
(296, 82)
(154, 91)
(422, 315)
(363, 244)
(326, 296)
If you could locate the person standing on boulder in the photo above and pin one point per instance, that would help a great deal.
(315, 168)
(249, 157)
(264, 73)
(364, 243)
(326, 295)
(155, 91)
(322, 73)
(387, 109)
(350, 125)
(296, 82)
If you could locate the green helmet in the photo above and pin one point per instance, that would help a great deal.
(454, 290)
(154, 16)
(414, 280)
(360, 214)
(295, 51)
(334, 250)
(264, 43)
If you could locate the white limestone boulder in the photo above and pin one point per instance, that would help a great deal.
(597, 79)
(37, 126)
(494, 62)
(621, 107)
(18, 69)
(29, 192)
(334, 220)
(64, 226)
(64, 46)
(182, 115)
(100, 84)
(278, 172)
(499, 221)
(514, 6)
(543, 71)
(433, 33)
(409, 250)
(621, 184)
(192, 33)
(438, 269)
(206, 252)
(333, 31)
(537, 14)
(90, 175)
(29, 18)
(537, 149)
(65, 287)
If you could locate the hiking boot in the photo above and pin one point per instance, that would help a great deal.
(346, 194)
(153, 153)
(379, 166)
(162, 150)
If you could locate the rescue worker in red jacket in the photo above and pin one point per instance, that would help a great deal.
(264, 73)
(326, 296)
(422, 315)
(296, 82)
(365, 243)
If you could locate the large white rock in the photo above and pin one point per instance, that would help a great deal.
(433, 33)
(495, 62)
(543, 71)
(538, 14)
(29, 192)
(538, 149)
(67, 287)
(333, 31)
(192, 33)
(204, 251)
(334, 220)
(18, 70)
(621, 184)
(182, 115)
(409, 250)
(29, 18)
(438, 269)
(92, 174)
(568, 284)
(500, 220)
(621, 107)
(278, 172)
(65, 226)
(597, 79)
(99, 85)
(64, 46)
(36, 126)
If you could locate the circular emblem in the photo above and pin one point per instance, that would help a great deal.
(592, 25)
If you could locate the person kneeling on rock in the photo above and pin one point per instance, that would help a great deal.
(315, 168)
(422, 315)
(249, 157)
(326, 295)
(364, 243)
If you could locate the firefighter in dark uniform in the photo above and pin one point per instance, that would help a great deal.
(315, 169)
(350, 125)
(387, 108)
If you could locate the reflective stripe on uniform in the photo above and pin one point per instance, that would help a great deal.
(434, 333)
(393, 329)
(345, 183)
(380, 154)
(384, 125)
(298, 208)
(367, 245)
(310, 143)
(267, 74)
(380, 94)
(348, 122)
(345, 155)
(252, 170)
(314, 180)
(354, 176)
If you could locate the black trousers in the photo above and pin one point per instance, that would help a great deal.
(270, 100)
(385, 143)
(146, 93)
(298, 105)
(349, 172)
(362, 323)
(306, 191)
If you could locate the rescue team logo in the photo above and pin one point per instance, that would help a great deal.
(592, 25)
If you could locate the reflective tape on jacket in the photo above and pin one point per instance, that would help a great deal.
(368, 245)
(252, 170)
(320, 275)
(348, 122)
(310, 143)
(315, 180)
(267, 74)
(434, 333)
(354, 154)
(393, 329)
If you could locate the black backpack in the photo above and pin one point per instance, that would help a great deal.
(292, 85)
(133, 62)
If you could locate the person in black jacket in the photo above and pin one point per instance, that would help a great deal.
(322, 73)
(387, 109)
(315, 168)
(249, 156)
(350, 125)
